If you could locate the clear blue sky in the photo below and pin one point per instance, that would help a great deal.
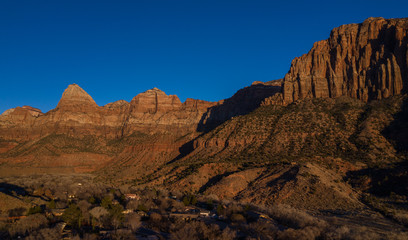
(199, 49)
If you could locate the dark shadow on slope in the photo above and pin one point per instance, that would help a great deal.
(17, 191)
(381, 181)
(213, 181)
(11, 189)
(397, 131)
(184, 150)
(243, 102)
(285, 177)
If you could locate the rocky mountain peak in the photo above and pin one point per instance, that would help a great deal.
(75, 95)
(155, 100)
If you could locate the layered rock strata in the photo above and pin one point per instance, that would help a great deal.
(78, 115)
(366, 61)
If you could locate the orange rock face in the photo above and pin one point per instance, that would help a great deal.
(149, 129)
(75, 96)
(154, 111)
(366, 61)
(155, 100)
(78, 115)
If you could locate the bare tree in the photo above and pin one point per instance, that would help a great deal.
(132, 204)
(97, 214)
(28, 225)
(45, 234)
(133, 221)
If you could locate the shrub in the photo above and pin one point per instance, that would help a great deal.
(236, 217)
(106, 202)
(294, 218)
(142, 207)
(92, 200)
(51, 204)
(28, 225)
(155, 217)
(35, 210)
(190, 200)
(307, 233)
(209, 204)
(220, 210)
(199, 230)
(357, 233)
(133, 221)
(45, 234)
(15, 212)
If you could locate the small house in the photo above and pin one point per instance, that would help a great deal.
(132, 196)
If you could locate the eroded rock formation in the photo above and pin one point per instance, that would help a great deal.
(78, 115)
(79, 135)
(366, 61)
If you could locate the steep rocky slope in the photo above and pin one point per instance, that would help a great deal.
(242, 102)
(365, 61)
(79, 135)
(329, 127)
(299, 154)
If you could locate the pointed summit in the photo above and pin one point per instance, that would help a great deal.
(75, 95)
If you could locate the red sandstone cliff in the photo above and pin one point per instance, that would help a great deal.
(78, 135)
(78, 115)
(366, 61)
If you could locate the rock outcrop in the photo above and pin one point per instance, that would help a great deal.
(153, 101)
(24, 112)
(366, 61)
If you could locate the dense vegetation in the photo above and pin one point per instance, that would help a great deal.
(76, 207)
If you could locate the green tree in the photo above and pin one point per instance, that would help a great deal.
(142, 207)
(193, 200)
(92, 200)
(51, 204)
(35, 210)
(106, 202)
(186, 200)
(210, 204)
(73, 216)
(236, 217)
(220, 210)
(116, 215)
(190, 199)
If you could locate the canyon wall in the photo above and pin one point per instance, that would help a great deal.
(366, 61)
